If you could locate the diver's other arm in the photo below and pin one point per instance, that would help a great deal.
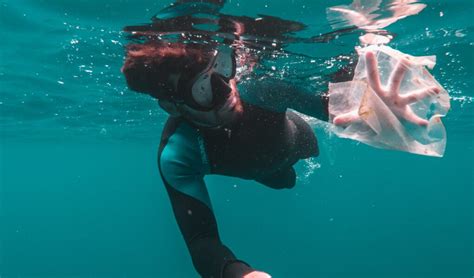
(210, 257)
(398, 104)
(196, 220)
(182, 168)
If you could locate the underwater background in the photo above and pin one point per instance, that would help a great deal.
(80, 192)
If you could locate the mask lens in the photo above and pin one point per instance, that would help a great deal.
(202, 91)
(224, 64)
(211, 87)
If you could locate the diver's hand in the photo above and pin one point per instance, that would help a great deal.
(257, 274)
(398, 104)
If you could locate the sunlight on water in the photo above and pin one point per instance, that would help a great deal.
(88, 93)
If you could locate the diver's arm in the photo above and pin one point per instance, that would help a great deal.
(197, 223)
(278, 95)
(309, 103)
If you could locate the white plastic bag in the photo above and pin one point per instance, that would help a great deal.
(377, 124)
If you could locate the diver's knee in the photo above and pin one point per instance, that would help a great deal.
(285, 178)
(306, 141)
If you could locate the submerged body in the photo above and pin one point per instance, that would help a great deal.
(259, 144)
(243, 134)
(219, 128)
(219, 125)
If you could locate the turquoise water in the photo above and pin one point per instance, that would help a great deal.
(80, 194)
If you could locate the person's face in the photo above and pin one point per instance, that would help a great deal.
(223, 115)
(208, 97)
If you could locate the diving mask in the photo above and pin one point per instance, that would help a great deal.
(210, 88)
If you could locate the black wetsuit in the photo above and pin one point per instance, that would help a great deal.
(261, 145)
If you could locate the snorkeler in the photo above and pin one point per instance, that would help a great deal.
(212, 131)
(216, 127)
(221, 123)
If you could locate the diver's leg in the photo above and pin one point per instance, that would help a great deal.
(285, 178)
(182, 170)
(305, 146)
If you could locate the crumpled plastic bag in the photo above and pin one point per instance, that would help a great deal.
(378, 126)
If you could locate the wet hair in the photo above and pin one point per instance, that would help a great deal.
(148, 66)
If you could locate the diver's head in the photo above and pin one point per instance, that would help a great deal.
(188, 80)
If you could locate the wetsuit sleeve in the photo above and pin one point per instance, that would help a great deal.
(182, 170)
(278, 95)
